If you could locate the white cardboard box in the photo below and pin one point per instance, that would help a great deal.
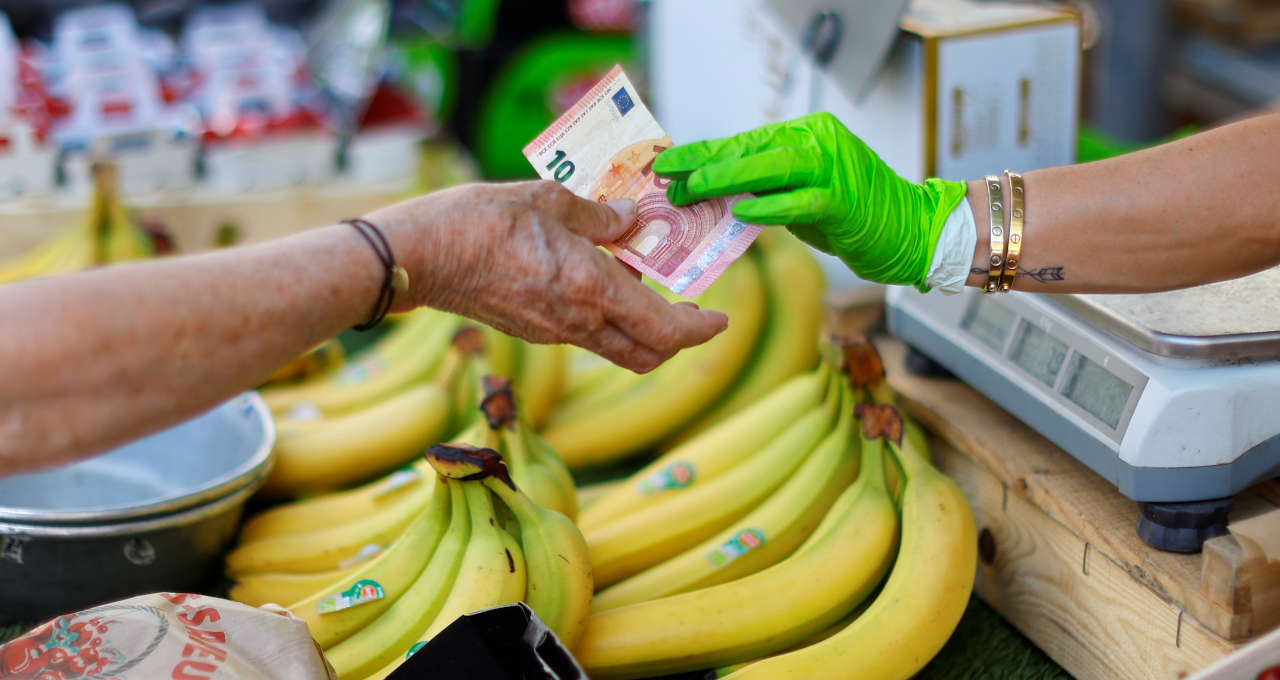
(968, 88)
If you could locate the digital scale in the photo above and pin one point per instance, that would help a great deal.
(1172, 397)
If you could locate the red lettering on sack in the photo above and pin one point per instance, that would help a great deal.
(178, 598)
(184, 669)
(205, 643)
(201, 615)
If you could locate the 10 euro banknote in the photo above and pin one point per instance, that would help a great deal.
(603, 148)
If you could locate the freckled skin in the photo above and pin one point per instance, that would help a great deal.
(98, 358)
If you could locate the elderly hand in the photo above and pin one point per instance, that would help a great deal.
(522, 257)
(824, 183)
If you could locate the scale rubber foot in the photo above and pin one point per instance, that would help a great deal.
(1183, 527)
(923, 365)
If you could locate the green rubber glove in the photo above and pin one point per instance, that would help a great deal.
(827, 186)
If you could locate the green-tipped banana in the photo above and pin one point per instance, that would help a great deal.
(764, 536)
(386, 639)
(559, 567)
(331, 617)
(682, 520)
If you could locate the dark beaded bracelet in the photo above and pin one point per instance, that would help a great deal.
(395, 278)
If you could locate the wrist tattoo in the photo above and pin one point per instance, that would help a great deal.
(1041, 275)
(1044, 274)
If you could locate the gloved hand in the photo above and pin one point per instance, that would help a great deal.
(827, 186)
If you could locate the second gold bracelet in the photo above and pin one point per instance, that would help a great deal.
(1017, 212)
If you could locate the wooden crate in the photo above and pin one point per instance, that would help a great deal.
(1060, 557)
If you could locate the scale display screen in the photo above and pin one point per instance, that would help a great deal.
(1096, 390)
(1038, 353)
(989, 322)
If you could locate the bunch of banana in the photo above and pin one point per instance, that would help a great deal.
(107, 235)
(784, 588)
(478, 542)
(293, 550)
(773, 299)
(925, 595)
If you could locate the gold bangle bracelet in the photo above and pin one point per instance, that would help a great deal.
(995, 199)
(1017, 214)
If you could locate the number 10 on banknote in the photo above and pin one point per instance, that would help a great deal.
(603, 148)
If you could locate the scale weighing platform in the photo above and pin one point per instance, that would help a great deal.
(1172, 397)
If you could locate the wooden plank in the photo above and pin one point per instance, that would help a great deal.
(1250, 661)
(1083, 609)
(1036, 470)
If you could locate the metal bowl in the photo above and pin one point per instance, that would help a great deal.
(152, 515)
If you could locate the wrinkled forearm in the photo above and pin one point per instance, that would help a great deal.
(95, 359)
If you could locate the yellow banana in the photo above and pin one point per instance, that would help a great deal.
(559, 568)
(331, 619)
(540, 381)
(283, 587)
(678, 390)
(829, 574)
(356, 446)
(329, 548)
(386, 639)
(503, 352)
(682, 520)
(788, 343)
(587, 372)
(817, 637)
(764, 536)
(608, 384)
(589, 494)
(73, 245)
(107, 234)
(920, 604)
(332, 509)
(409, 353)
(712, 452)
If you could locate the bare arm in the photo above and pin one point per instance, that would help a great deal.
(94, 359)
(1197, 210)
